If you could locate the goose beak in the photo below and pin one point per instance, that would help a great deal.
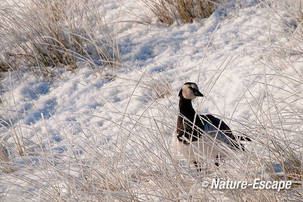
(198, 93)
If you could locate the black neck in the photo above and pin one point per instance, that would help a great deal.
(186, 108)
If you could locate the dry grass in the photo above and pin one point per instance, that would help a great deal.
(44, 34)
(181, 11)
(156, 88)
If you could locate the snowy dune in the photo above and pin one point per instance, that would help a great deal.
(88, 137)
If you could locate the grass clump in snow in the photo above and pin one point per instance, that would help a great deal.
(181, 11)
(43, 34)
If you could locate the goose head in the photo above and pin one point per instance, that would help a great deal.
(190, 91)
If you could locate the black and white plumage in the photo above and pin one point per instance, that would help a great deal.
(199, 136)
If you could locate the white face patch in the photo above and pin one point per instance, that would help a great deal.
(187, 92)
(194, 86)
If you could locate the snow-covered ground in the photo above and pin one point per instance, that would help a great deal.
(87, 137)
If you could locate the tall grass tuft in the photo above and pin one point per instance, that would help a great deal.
(42, 34)
(181, 11)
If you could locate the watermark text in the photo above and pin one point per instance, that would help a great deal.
(257, 184)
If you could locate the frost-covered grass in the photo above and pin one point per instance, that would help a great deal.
(87, 137)
(62, 34)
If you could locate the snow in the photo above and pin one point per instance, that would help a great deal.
(82, 111)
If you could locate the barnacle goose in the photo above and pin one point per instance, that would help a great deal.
(200, 136)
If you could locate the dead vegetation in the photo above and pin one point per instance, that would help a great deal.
(181, 11)
(45, 34)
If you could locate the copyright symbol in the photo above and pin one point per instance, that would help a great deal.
(204, 184)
